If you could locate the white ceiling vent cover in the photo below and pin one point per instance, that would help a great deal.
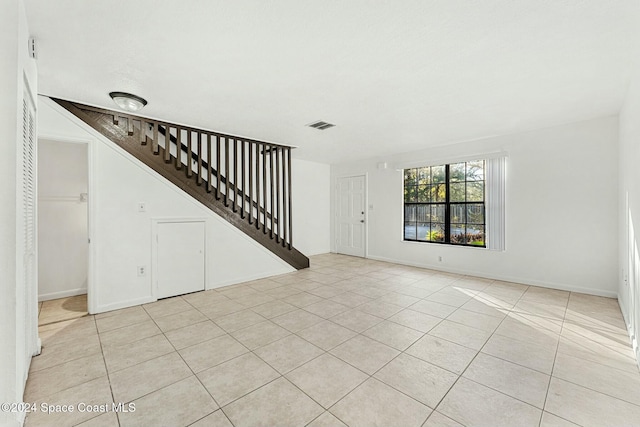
(320, 125)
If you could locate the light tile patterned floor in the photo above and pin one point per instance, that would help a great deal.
(347, 342)
(61, 309)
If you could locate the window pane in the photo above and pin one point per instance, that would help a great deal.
(439, 193)
(423, 231)
(424, 176)
(433, 204)
(437, 174)
(475, 191)
(457, 213)
(436, 234)
(409, 213)
(423, 193)
(410, 176)
(456, 172)
(456, 192)
(437, 213)
(432, 189)
(422, 213)
(475, 170)
(410, 193)
(457, 234)
(475, 213)
(475, 235)
(410, 231)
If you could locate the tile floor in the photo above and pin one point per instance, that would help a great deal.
(347, 342)
(58, 310)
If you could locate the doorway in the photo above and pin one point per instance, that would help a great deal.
(63, 243)
(351, 216)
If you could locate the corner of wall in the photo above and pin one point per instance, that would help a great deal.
(629, 209)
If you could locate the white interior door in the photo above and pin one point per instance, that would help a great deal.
(351, 216)
(180, 258)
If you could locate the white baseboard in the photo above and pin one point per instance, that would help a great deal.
(38, 347)
(123, 304)
(249, 278)
(62, 294)
(634, 340)
(145, 300)
(625, 316)
(522, 280)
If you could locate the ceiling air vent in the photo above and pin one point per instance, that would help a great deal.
(320, 125)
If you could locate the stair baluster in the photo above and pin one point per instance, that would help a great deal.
(250, 148)
(235, 175)
(167, 142)
(209, 184)
(289, 180)
(199, 169)
(219, 172)
(242, 187)
(155, 147)
(189, 154)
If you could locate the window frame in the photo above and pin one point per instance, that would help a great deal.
(447, 203)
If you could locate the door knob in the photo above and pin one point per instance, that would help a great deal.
(362, 220)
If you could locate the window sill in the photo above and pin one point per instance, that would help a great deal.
(414, 242)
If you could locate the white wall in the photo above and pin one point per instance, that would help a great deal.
(16, 343)
(629, 207)
(311, 206)
(561, 209)
(63, 249)
(121, 236)
(9, 387)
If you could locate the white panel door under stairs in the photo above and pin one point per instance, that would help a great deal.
(180, 258)
(351, 216)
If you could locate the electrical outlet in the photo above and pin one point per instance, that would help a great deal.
(142, 207)
(142, 271)
(439, 258)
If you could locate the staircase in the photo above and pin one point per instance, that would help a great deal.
(246, 182)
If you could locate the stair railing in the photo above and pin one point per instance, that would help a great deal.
(252, 177)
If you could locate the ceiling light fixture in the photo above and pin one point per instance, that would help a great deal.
(127, 101)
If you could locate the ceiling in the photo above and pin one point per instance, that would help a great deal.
(394, 76)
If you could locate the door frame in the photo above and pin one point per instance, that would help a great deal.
(92, 297)
(336, 210)
(155, 222)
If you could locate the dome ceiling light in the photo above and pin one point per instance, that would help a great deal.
(127, 101)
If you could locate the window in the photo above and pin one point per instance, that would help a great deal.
(446, 204)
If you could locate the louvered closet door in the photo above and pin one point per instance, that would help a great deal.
(29, 214)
